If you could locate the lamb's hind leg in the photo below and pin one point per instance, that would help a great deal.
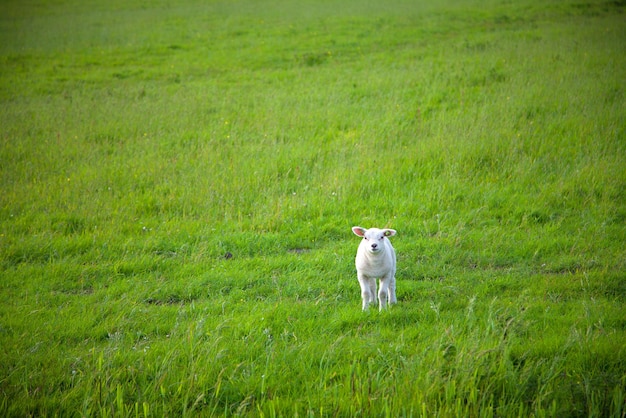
(392, 290)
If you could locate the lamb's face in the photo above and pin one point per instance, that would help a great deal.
(374, 240)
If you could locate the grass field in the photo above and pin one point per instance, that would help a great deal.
(179, 180)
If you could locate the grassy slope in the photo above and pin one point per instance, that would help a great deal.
(144, 144)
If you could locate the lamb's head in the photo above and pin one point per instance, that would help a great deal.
(373, 238)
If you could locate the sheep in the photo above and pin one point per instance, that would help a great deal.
(376, 259)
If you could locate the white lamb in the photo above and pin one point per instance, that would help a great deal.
(376, 259)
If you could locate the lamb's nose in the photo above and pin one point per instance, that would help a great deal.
(374, 246)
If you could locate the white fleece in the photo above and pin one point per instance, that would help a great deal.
(376, 259)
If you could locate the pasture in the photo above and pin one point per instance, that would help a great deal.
(179, 180)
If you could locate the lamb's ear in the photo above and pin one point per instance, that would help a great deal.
(389, 232)
(359, 231)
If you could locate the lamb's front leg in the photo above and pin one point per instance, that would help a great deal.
(368, 289)
(384, 295)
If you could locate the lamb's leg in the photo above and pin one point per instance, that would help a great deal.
(367, 294)
(383, 293)
(372, 283)
(392, 290)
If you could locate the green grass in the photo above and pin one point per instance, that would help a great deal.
(179, 181)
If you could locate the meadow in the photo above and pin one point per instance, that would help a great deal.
(179, 179)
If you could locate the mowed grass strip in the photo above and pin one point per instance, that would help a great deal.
(179, 182)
